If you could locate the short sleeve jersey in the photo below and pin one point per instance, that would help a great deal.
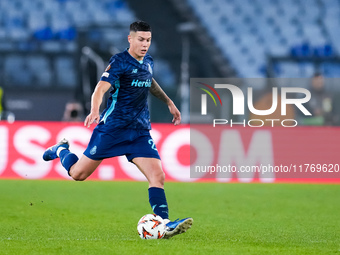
(130, 79)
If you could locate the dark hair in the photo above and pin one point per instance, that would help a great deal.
(140, 26)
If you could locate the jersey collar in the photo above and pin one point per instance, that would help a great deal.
(140, 62)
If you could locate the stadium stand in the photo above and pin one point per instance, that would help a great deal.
(248, 32)
(41, 44)
(52, 27)
(246, 38)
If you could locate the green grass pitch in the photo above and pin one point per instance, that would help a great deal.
(65, 217)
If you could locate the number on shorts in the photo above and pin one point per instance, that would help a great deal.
(153, 145)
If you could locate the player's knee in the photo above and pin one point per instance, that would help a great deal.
(162, 177)
(79, 177)
(159, 178)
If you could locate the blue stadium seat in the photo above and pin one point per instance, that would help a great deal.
(65, 72)
(40, 69)
(11, 66)
(331, 70)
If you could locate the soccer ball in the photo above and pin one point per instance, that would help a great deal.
(151, 226)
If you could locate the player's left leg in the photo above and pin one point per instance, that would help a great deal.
(152, 169)
(83, 168)
(78, 169)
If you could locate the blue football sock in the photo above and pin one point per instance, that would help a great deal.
(158, 202)
(67, 159)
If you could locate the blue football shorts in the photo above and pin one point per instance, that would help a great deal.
(129, 142)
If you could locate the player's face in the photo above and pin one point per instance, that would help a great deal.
(139, 44)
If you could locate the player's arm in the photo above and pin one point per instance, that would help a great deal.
(158, 92)
(96, 101)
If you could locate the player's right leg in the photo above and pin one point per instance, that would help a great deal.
(152, 169)
(78, 169)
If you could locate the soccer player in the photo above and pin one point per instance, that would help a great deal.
(123, 127)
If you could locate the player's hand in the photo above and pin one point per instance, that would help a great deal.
(91, 118)
(175, 112)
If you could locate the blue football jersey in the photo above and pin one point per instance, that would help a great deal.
(130, 79)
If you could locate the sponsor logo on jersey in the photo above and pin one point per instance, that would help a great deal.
(138, 83)
(134, 70)
(106, 74)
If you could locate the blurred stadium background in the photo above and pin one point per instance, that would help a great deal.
(53, 51)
